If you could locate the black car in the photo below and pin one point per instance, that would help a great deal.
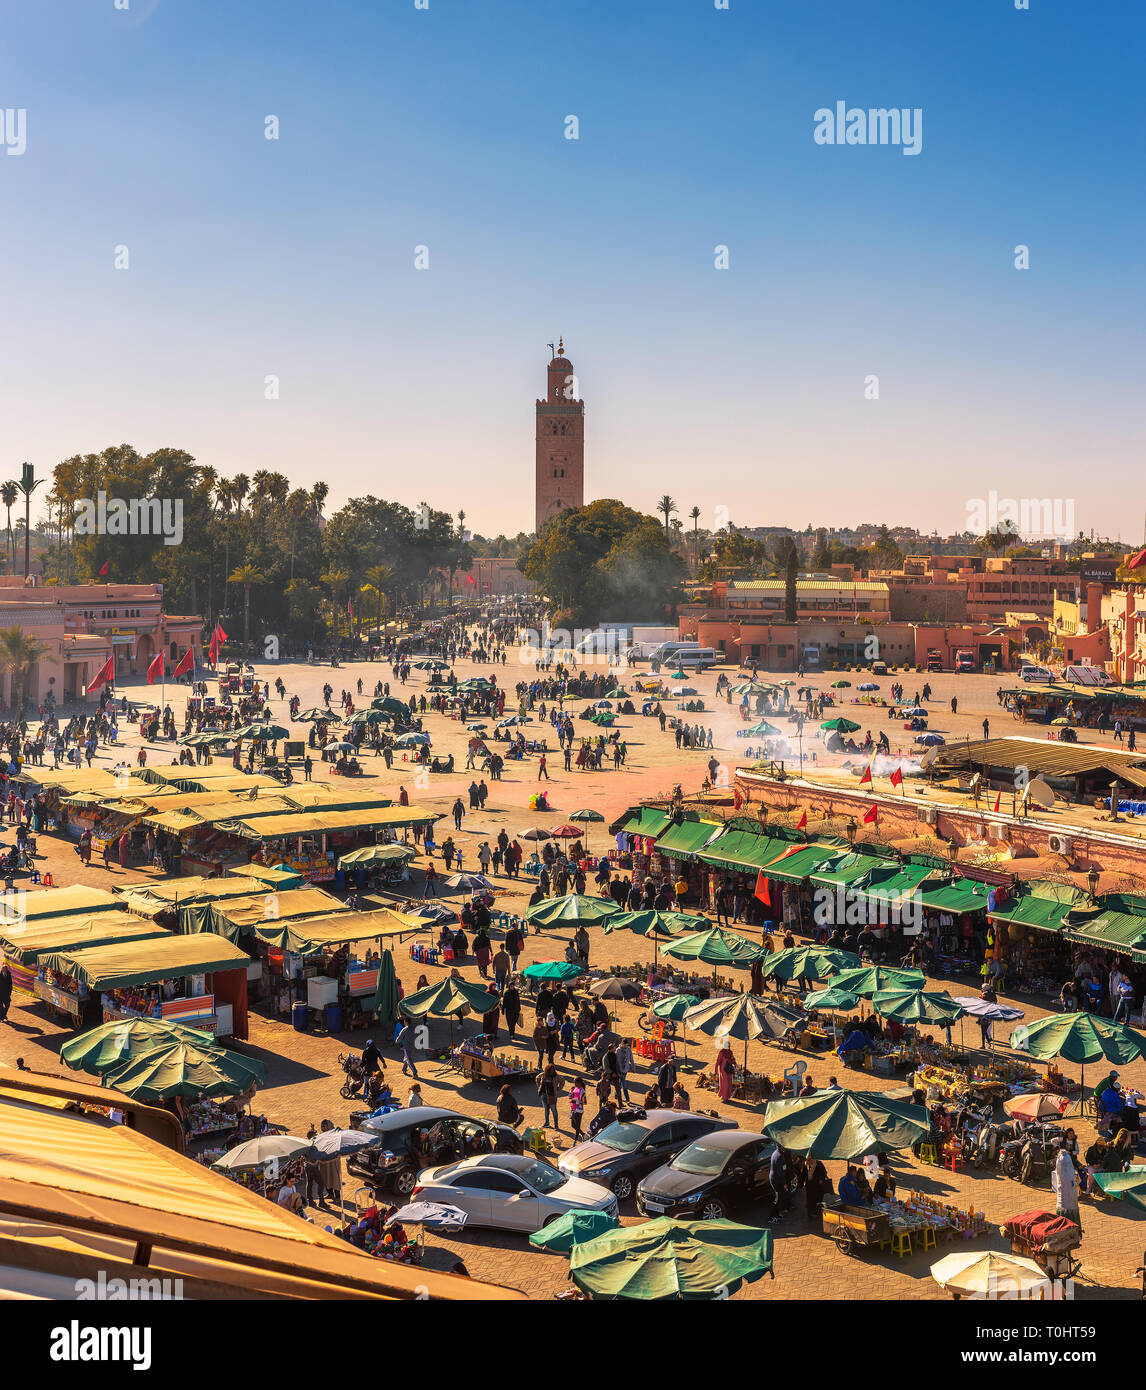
(623, 1152)
(394, 1164)
(714, 1174)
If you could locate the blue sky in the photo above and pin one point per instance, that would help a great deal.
(740, 389)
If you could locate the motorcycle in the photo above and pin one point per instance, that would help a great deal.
(355, 1076)
(1032, 1154)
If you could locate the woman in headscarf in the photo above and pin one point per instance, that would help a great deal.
(725, 1065)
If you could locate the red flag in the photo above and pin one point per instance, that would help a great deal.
(186, 663)
(803, 822)
(218, 637)
(105, 674)
(1136, 561)
(469, 578)
(866, 775)
(155, 670)
(998, 798)
(762, 890)
(350, 610)
(896, 777)
(871, 815)
(103, 569)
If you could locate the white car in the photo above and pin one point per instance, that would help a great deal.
(510, 1192)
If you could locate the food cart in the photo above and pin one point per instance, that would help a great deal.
(851, 1226)
(475, 1058)
(1047, 1239)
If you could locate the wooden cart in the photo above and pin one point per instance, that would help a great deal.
(851, 1226)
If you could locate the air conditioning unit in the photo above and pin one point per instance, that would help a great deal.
(998, 832)
(929, 815)
(1061, 844)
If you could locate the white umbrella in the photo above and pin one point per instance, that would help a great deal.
(255, 1152)
(988, 1273)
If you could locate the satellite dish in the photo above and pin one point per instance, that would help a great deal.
(929, 757)
(1040, 794)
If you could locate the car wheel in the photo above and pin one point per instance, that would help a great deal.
(622, 1187)
(712, 1210)
(405, 1182)
(549, 1220)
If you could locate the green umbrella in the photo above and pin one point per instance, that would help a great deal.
(742, 1016)
(552, 970)
(574, 1228)
(914, 1006)
(573, 907)
(832, 998)
(448, 997)
(867, 980)
(112, 1043)
(845, 1124)
(715, 947)
(838, 685)
(841, 725)
(388, 705)
(813, 962)
(673, 1008)
(184, 1069)
(369, 716)
(384, 1006)
(764, 730)
(1130, 1184)
(650, 922)
(665, 1259)
(316, 714)
(1080, 1037)
(376, 854)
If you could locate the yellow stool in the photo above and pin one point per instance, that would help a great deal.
(538, 1141)
(928, 1153)
(901, 1243)
(929, 1239)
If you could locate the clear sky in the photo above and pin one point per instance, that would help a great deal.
(741, 389)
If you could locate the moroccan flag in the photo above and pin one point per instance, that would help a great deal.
(998, 798)
(866, 775)
(896, 777)
(763, 891)
(103, 569)
(350, 610)
(803, 822)
(186, 663)
(1136, 561)
(218, 637)
(155, 670)
(871, 815)
(105, 674)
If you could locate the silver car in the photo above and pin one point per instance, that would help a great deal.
(510, 1192)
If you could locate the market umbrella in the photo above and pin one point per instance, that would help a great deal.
(338, 746)
(572, 907)
(840, 685)
(587, 817)
(314, 715)
(567, 832)
(369, 716)
(867, 980)
(831, 998)
(840, 725)
(764, 730)
(867, 685)
(669, 1259)
(471, 883)
(1036, 1106)
(376, 854)
(675, 1006)
(435, 1216)
(1130, 1184)
(552, 970)
(560, 1236)
(384, 1005)
(255, 1152)
(266, 731)
(984, 1008)
(715, 947)
(814, 962)
(109, 1044)
(741, 1016)
(1079, 1037)
(411, 740)
(184, 1069)
(929, 740)
(446, 998)
(650, 922)
(989, 1273)
(915, 712)
(391, 706)
(845, 1124)
(915, 1006)
(612, 987)
(535, 832)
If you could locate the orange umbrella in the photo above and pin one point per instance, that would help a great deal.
(1036, 1106)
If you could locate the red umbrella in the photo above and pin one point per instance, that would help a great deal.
(567, 832)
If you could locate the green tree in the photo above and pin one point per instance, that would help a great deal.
(791, 575)
(246, 575)
(19, 654)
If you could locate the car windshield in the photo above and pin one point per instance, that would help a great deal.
(542, 1177)
(703, 1157)
(622, 1136)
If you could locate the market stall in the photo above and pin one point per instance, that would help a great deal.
(310, 842)
(23, 944)
(199, 980)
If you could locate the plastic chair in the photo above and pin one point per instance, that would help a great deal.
(795, 1075)
(930, 1241)
(35, 876)
(48, 881)
(928, 1153)
(901, 1243)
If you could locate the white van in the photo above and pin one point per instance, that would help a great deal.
(700, 657)
(666, 651)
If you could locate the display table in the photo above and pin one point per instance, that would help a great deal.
(482, 1064)
(58, 999)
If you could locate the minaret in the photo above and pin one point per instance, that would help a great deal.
(560, 479)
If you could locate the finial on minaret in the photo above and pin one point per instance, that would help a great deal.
(560, 347)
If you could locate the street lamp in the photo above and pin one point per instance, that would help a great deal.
(851, 830)
(1092, 883)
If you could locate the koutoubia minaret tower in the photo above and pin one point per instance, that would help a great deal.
(560, 441)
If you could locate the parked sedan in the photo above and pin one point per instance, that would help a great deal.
(623, 1152)
(721, 1171)
(426, 1134)
(510, 1192)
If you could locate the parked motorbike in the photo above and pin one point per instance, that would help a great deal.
(1032, 1154)
(351, 1065)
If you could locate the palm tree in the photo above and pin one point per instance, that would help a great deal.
(246, 575)
(380, 578)
(666, 506)
(335, 580)
(9, 492)
(19, 655)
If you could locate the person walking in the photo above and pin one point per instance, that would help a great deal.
(577, 1107)
(625, 1064)
(5, 992)
(511, 1008)
(501, 969)
(1064, 1181)
(548, 1087)
(405, 1041)
(542, 769)
(779, 1175)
